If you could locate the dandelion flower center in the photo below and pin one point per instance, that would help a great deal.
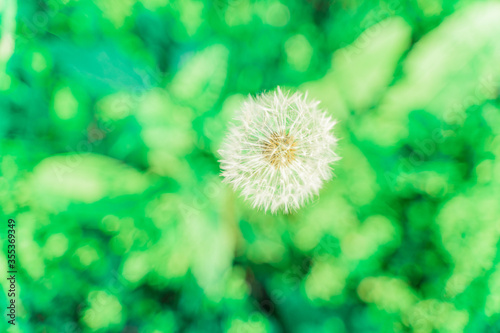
(279, 149)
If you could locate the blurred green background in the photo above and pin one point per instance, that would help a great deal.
(112, 112)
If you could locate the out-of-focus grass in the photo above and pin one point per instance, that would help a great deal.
(111, 116)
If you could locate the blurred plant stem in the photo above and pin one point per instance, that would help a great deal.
(8, 10)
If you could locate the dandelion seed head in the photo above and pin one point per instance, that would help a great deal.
(279, 150)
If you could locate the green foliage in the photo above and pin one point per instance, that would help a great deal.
(112, 112)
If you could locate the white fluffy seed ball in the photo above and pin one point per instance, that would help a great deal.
(279, 150)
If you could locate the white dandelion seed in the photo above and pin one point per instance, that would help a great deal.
(279, 151)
